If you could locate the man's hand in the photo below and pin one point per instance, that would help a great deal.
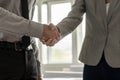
(39, 77)
(50, 36)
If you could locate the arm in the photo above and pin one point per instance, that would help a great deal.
(74, 18)
(68, 24)
(11, 23)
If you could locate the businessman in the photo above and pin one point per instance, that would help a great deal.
(17, 62)
(101, 47)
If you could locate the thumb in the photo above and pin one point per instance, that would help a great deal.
(52, 26)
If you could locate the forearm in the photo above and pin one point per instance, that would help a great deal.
(74, 18)
(10, 22)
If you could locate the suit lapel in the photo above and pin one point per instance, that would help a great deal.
(111, 9)
(107, 17)
(102, 11)
(103, 7)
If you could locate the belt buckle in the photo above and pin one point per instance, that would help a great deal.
(18, 47)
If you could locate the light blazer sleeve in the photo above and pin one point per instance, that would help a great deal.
(11, 23)
(73, 19)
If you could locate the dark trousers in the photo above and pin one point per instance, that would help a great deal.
(13, 66)
(101, 72)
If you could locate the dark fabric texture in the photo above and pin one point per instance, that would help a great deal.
(101, 72)
(25, 14)
(12, 64)
(31, 68)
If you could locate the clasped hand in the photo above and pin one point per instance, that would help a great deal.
(50, 35)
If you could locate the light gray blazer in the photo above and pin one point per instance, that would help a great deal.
(102, 31)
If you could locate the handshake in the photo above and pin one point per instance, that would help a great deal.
(51, 35)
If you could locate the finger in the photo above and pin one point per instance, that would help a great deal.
(58, 36)
(52, 42)
(58, 33)
(43, 40)
(55, 33)
(48, 42)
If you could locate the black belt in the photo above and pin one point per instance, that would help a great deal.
(17, 46)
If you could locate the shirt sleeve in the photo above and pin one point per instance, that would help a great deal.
(11, 23)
